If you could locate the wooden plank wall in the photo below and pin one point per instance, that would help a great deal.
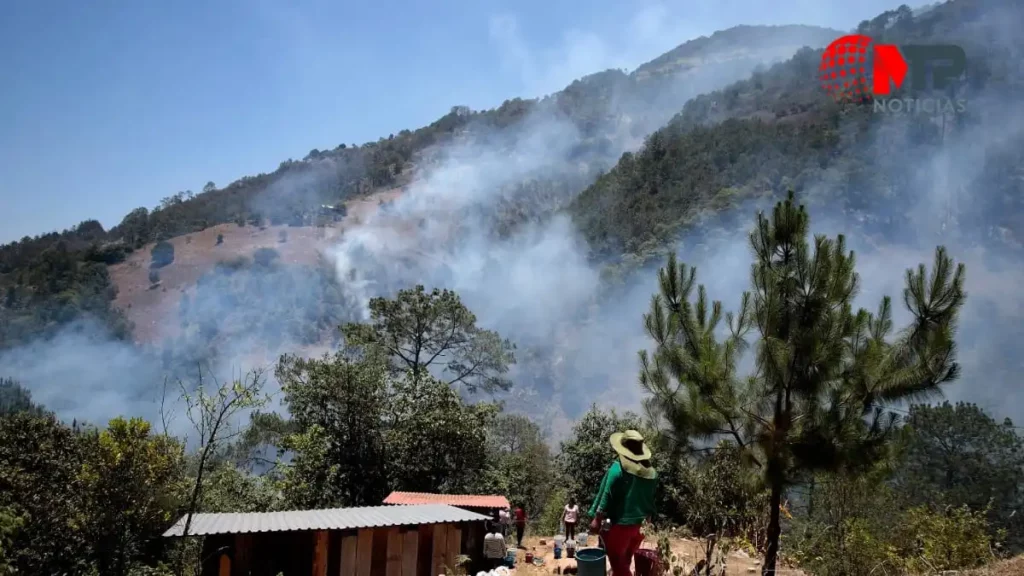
(321, 540)
(387, 551)
(394, 551)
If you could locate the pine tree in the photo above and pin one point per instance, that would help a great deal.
(825, 375)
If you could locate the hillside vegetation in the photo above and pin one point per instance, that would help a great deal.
(778, 130)
(851, 482)
(794, 423)
(598, 107)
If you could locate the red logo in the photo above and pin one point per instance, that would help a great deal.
(846, 62)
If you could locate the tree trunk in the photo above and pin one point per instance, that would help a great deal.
(771, 555)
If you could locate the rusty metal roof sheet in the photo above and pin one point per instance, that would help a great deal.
(330, 519)
(470, 500)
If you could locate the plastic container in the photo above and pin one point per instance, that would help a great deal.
(591, 562)
(647, 562)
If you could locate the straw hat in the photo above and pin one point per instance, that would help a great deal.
(634, 455)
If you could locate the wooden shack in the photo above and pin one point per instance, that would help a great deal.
(417, 540)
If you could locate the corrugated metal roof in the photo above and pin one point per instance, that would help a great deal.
(330, 519)
(471, 500)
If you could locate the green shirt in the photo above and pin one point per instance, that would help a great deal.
(624, 498)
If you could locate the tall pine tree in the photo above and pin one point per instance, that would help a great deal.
(824, 374)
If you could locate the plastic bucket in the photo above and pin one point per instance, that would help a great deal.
(591, 562)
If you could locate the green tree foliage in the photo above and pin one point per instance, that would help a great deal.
(212, 408)
(10, 523)
(361, 434)
(841, 513)
(15, 398)
(337, 406)
(228, 488)
(521, 464)
(957, 455)
(46, 283)
(857, 525)
(720, 502)
(586, 454)
(825, 374)
(683, 170)
(421, 331)
(132, 477)
(436, 442)
(40, 461)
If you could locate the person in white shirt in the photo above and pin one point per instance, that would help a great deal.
(504, 520)
(570, 516)
(495, 548)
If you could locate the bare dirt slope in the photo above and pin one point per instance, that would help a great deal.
(198, 253)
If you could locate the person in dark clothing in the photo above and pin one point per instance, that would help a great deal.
(520, 525)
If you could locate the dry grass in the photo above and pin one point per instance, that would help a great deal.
(195, 254)
(1010, 567)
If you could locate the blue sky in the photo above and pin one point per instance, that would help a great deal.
(110, 105)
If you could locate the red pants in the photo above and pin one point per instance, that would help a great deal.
(620, 543)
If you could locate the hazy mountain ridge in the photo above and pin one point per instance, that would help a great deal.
(598, 112)
(483, 213)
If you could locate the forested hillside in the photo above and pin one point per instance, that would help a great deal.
(53, 279)
(792, 366)
(779, 130)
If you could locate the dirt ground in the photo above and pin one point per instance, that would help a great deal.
(687, 550)
(149, 307)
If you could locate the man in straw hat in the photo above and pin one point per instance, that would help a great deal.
(625, 499)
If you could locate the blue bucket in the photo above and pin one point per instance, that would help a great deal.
(591, 562)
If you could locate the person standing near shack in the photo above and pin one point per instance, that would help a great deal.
(520, 524)
(494, 546)
(504, 521)
(570, 516)
(625, 499)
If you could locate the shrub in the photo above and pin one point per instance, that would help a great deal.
(234, 264)
(934, 541)
(550, 521)
(163, 254)
(265, 256)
